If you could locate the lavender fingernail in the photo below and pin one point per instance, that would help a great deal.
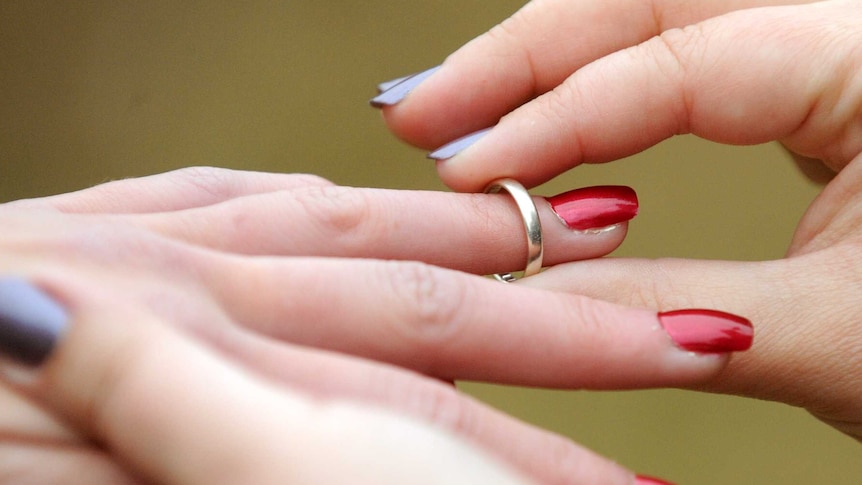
(453, 148)
(398, 90)
(31, 322)
(387, 85)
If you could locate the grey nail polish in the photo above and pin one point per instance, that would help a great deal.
(453, 148)
(31, 322)
(398, 90)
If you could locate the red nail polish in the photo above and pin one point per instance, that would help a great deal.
(595, 207)
(644, 480)
(707, 331)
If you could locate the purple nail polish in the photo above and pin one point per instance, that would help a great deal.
(451, 149)
(398, 90)
(30, 322)
(387, 85)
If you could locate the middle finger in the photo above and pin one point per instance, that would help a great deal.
(457, 326)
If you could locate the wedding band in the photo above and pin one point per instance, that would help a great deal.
(533, 226)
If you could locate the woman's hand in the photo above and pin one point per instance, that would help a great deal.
(566, 83)
(177, 413)
(333, 292)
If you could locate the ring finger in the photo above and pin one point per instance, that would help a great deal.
(471, 232)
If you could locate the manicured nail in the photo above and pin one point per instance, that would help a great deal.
(31, 322)
(387, 85)
(707, 331)
(595, 207)
(397, 89)
(451, 149)
(644, 480)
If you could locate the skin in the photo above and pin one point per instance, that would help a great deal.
(172, 282)
(181, 290)
(593, 81)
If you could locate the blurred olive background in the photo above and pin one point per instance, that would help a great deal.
(93, 91)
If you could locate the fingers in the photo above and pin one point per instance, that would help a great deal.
(680, 82)
(456, 326)
(180, 415)
(527, 55)
(176, 190)
(24, 420)
(797, 357)
(475, 233)
(187, 302)
(537, 453)
(29, 462)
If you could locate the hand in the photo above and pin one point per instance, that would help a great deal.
(286, 277)
(566, 83)
(177, 413)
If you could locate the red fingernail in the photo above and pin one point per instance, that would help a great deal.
(707, 331)
(644, 480)
(595, 207)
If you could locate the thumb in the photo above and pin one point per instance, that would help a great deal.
(178, 414)
(803, 308)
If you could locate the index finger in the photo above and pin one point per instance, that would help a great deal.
(529, 54)
(728, 79)
(452, 325)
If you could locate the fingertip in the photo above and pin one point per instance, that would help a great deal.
(31, 321)
(395, 91)
(587, 222)
(708, 331)
(459, 98)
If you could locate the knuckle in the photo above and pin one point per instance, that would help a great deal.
(506, 41)
(430, 401)
(442, 407)
(428, 304)
(507, 34)
(590, 315)
(661, 289)
(218, 183)
(675, 52)
(556, 105)
(340, 213)
(684, 45)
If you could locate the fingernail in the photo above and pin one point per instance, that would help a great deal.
(395, 90)
(387, 85)
(595, 207)
(644, 480)
(451, 149)
(31, 322)
(707, 331)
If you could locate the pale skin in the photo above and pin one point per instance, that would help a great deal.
(164, 267)
(593, 81)
(294, 328)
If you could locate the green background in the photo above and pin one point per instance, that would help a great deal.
(93, 91)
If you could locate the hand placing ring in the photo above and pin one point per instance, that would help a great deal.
(533, 226)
